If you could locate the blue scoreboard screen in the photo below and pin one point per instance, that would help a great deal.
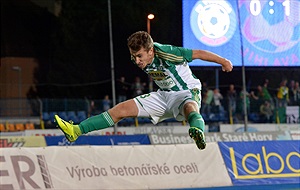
(258, 33)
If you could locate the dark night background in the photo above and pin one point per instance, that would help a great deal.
(74, 53)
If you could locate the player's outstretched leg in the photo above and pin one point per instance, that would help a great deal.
(196, 130)
(97, 122)
(71, 131)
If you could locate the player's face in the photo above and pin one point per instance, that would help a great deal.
(142, 57)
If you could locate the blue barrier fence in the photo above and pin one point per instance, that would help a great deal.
(100, 140)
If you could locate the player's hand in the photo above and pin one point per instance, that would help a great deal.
(227, 66)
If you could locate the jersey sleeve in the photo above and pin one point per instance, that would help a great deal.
(173, 53)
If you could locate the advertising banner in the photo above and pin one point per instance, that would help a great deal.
(295, 135)
(292, 114)
(112, 167)
(171, 129)
(258, 127)
(99, 140)
(18, 133)
(262, 162)
(15, 141)
(170, 139)
(132, 130)
(152, 129)
(217, 137)
(142, 130)
(44, 132)
(248, 136)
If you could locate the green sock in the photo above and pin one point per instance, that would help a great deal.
(97, 122)
(196, 120)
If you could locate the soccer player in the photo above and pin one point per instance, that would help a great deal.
(179, 94)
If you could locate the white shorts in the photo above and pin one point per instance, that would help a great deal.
(162, 105)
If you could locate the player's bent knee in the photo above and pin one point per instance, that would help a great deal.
(190, 106)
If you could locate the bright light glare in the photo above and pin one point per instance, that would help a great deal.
(150, 16)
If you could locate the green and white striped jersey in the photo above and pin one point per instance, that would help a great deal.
(170, 70)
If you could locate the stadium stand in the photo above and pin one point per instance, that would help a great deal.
(13, 127)
(51, 116)
(72, 116)
(46, 116)
(10, 127)
(29, 126)
(2, 128)
(63, 115)
(81, 115)
(19, 127)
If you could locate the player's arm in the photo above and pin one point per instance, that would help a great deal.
(212, 57)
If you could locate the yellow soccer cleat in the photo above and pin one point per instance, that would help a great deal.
(68, 128)
(198, 137)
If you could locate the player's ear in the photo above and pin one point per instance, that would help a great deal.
(151, 51)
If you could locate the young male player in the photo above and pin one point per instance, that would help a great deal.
(178, 96)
